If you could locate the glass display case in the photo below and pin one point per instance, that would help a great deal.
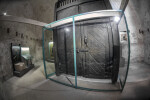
(21, 59)
(91, 51)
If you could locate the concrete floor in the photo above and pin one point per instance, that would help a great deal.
(34, 86)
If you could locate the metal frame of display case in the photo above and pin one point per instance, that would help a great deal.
(80, 17)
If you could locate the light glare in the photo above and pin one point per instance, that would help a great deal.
(116, 19)
(24, 49)
(67, 29)
(50, 42)
(5, 14)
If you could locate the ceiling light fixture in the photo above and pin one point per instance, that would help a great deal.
(4, 13)
(116, 19)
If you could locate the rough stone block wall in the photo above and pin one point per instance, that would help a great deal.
(25, 34)
(147, 47)
(138, 17)
(18, 33)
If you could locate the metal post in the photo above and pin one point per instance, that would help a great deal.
(74, 47)
(128, 51)
(43, 30)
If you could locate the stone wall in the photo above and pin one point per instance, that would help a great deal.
(41, 10)
(138, 17)
(18, 33)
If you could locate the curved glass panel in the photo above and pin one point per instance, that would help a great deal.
(124, 50)
(48, 57)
